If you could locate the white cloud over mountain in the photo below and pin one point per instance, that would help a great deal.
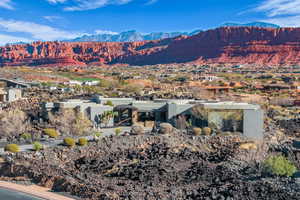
(36, 31)
(4, 39)
(105, 32)
(281, 12)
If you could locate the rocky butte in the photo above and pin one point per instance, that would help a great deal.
(228, 45)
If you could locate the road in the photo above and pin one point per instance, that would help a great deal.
(12, 191)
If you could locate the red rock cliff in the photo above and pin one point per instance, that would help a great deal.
(236, 45)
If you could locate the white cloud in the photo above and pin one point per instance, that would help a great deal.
(7, 4)
(52, 18)
(93, 4)
(56, 1)
(80, 5)
(151, 2)
(290, 21)
(5, 39)
(37, 31)
(280, 7)
(281, 12)
(105, 32)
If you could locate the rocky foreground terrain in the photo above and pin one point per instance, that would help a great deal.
(172, 166)
(226, 45)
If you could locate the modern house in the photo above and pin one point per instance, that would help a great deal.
(13, 83)
(220, 116)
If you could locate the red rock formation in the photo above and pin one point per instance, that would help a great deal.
(234, 45)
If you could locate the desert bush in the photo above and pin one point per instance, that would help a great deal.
(51, 132)
(14, 148)
(133, 88)
(98, 134)
(70, 122)
(207, 131)
(109, 103)
(70, 142)
(118, 131)
(13, 123)
(280, 166)
(197, 131)
(137, 130)
(165, 128)
(37, 146)
(82, 141)
(107, 116)
(26, 136)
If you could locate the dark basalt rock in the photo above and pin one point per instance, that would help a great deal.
(155, 167)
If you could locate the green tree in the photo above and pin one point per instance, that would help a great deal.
(106, 116)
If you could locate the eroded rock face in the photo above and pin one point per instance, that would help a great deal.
(230, 45)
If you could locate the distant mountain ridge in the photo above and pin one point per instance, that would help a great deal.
(225, 45)
(134, 36)
(252, 24)
(130, 36)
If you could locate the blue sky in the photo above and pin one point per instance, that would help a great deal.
(30, 20)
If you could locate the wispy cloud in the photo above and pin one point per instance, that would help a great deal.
(280, 7)
(288, 21)
(151, 2)
(36, 31)
(7, 4)
(81, 5)
(52, 18)
(56, 1)
(281, 12)
(93, 4)
(5, 39)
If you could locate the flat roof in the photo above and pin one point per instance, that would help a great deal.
(230, 105)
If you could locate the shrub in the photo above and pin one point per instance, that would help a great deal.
(70, 142)
(165, 128)
(37, 146)
(82, 141)
(197, 131)
(51, 132)
(118, 131)
(109, 103)
(26, 136)
(280, 166)
(207, 131)
(98, 134)
(14, 148)
(137, 130)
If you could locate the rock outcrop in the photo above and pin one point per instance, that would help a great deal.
(229, 45)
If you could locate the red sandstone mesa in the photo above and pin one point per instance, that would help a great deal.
(230, 45)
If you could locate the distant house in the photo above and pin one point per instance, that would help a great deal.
(91, 83)
(73, 83)
(13, 83)
(208, 78)
(276, 87)
(10, 94)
